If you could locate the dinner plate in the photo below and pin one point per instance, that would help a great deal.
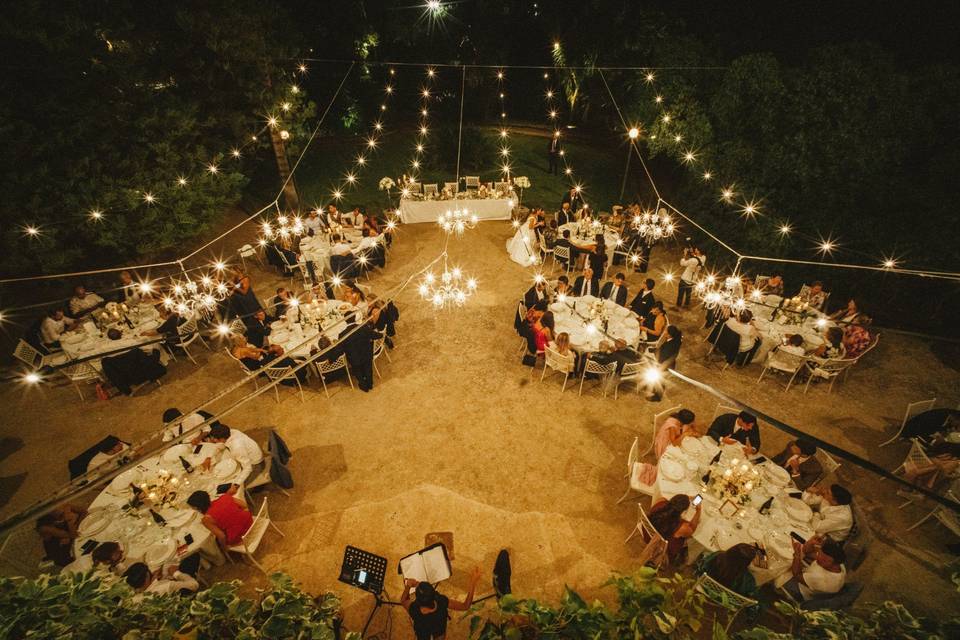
(74, 338)
(798, 510)
(279, 336)
(758, 533)
(691, 446)
(558, 307)
(172, 455)
(671, 469)
(692, 465)
(276, 325)
(776, 474)
(130, 476)
(179, 517)
(224, 468)
(159, 552)
(95, 522)
(149, 325)
(779, 543)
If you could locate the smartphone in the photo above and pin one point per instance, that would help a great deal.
(188, 538)
(88, 546)
(759, 460)
(697, 500)
(223, 488)
(796, 494)
(796, 536)
(361, 576)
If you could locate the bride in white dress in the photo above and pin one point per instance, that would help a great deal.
(522, 247)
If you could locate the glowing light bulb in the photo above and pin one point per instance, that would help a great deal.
(272, 121)
(389, 89)
(371, 143)
(658, 99)
(707, 175)
(182, 181)
(96, 214)
(286, 106)
(634, 133)
(212, 168)
(649, 77)
(361, 160)
(503, 133)
(32, 378)
(149, 198)
(666, 117)
(351, 178)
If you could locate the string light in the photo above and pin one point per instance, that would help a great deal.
(727, 193)
(689, 157)
(149, 198)
(32, 377)
(785, 229)
(31, 230)
(650, 77)
(235, 153)
(707, 175)
(750, 209)
(182, 181)
(96, 214)
(212, 168)
(634, 133)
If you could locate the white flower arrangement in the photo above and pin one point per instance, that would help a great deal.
(735, 482)
(387, 183)
(598, 311)
(522, 181)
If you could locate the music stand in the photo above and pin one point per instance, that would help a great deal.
(365, 570)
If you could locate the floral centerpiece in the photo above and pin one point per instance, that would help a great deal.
(386, 183)
(522, 181)
(734, 481)
(587, 227)
(794, 311)
(161, 490)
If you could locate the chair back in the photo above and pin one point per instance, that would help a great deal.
(917, 455)
(634, 456)
(501, 186)
(414, 187)
(471, 182)
(188, 328)
(251, 539)
(557, 361)
(632, 370)
(80, 371)
(916, 408)
(827, 462)
(592, 366)
(723, 408)
(561, 252)
(378, 347)
(452, 187)
(25, 353)
(278, 373)
(430, 189)
(722, 596)
(833, 367)
(237, 327)
(21, 553)
(325, 366)
(247, 251)
(785, 361)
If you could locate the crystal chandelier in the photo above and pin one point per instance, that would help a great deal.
(457, 221)
(188, 295)
(727, 295)
(283, 228)
(653, 226)
(450, 289)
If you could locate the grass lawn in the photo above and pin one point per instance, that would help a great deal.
(597, 168)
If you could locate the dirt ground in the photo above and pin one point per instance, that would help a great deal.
(459, 437)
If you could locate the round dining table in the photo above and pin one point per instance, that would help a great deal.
(113, 517)
(329, 317)
(572, 316)
(680, 470)
(587, 243)
(773, 332)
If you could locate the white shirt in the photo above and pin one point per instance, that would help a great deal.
(368, 242)
(587, 284)
(131, 293)
(830, 520)
(613, 292)
(314, 223)
(691, 267)
(333, 219)
(188, 422)
(820, 581)
(174, 584)
(51, 330)
(87, 302)
(103, 458)
(340, 249)
(244, 449)
(789, 348)
(748, 333)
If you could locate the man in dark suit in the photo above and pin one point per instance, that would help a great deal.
(535, 294)
(644, 300)
(587, 284)
(258, 330)
(565, 215)
(564, 241)
(573, 198)
(615, 290)
(733, 428)
(798, 458)
(553, 154)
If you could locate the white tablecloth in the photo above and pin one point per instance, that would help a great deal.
(572, 317)
(587, 243)
(413, 211)
(718, 532)
(290, 335)
(773, 332)
(316, 248)
(83, 344)
(142, 539)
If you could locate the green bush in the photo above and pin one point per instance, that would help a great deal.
(478, 152)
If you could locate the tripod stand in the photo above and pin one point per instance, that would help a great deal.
(379, 602)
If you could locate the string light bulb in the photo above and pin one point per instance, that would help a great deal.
(149, 198)
(235, 153)
(689, 157)
(212, 168)
(634, 133)
(707, 175)
(96, 214)
(650, 77)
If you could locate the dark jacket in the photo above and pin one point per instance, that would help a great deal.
(530, 298)
(621, 293)
(810, 470)
(723, 427)
(578, 286)
(642, 304)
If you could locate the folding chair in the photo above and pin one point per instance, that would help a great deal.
(522, 314)
(561, 254)
(80, 372)
(559, 363)
(723, 597)
(379, 349)
(631, 372)
(187, 334)
(655, 551)
(827, 462)
(471, 182)
(603, 371)
(324, 367)
(263, 478)
(658, 418)
(452, 187)
(827, 370)
(947, 517)
(784, 362)
(913, 409)
(26, 353)
(249, 251)
(250, 541)
(281, 373)
(430, 189)
(633, 469)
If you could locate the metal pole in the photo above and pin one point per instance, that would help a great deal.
(626, 172)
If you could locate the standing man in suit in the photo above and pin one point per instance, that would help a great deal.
(535, 294)
(573, 198)
(565, 215)
(733, 428)
(587, 284)
(553, 154)
(615, 290)
(644, 300)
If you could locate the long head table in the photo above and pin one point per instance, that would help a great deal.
(413, 211)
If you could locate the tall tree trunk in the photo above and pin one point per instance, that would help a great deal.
(283, 168)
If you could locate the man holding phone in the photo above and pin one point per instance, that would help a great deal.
(817, 568)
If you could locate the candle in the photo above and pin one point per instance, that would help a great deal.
(744, 468)
(727, 473)
(748, 486)
(735, 461)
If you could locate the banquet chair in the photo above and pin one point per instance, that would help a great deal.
(281, 373)
(631, 372)
(828, 464)
(379, 349)
(561, 254)
(452, 187)
(430, 189)
(502, 186)
(721, 596)
(913, 409)
(324, 367)
(559, 363)
(80, 372)
(289, 268)
(237, 328)
(657, 419)
(243, 368)
(655, 551)
(917, 458)
(947, 517)
(263, 478)
(542, 247)
(783, 362)
(874, 341)
(414, 187)
(471, 182)
(603, 371)
(249, 251)
(250, 541)
(521, 318)
(722, 409)
(22, 553)
(827, 370)
(187, 334)
(26, 353)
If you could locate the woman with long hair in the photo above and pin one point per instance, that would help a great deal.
(666, 516)
(731, 568)
(672, 432)
(543, 331)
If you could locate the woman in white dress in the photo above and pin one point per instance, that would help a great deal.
(523, 246)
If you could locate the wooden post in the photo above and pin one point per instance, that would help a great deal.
(283, 168)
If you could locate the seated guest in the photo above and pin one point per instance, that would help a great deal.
(670, 433)
(654, 324)
(333, 216)
(743, 325)
(617, 351)
(562, 346)
(227, 517)
(814, 295)
(313, 223)
(833, 516)
(355, 296)
(169, 329)
(817, 569)
(856, 337)
(615, 290)
(565, 216)
(832, 347)
(644, 300)
(146, 582)
(794, 345)
(340, 246)
(110, 448)
(175, 428)
(733, 428)
(354, 218)
(670, 348)
(666, 516)
(54, 326)
(924, 425)
(106, 558)
(254, 358)
(58, 530)
(564, 241)
(83, 301)
(771, 286)
(258, 330)
(543, 330)
(847, 314)
(943, 463)
(587, 284)
(130, 291)
(243, 300)
(550, 234)
(731, 568)
(799, 459)
(536, 293)
(241, 446)
(562, 288)
(281, 301)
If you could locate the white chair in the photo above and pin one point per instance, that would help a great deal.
(658, 418)
(632, 371)
(289, 268)
(723, 597)
(722, 409)
(875, 340)
(324, 367)
(415, 187)
(502, 186)
(187, 333)
(248, 251)
(913, 409)
(236, 328)
(243, 368)
(633, 470)
(828, 370)
(471, 182)
(561, 254)
(947, 517)
(790, 364)
(452, 187)
(281, 373)
(603, 371)
(250, 541)
(918, 459)
(80, 372)
(22, 553)
(827, 462)
(24, 352)
(379, 349)
(559, 363)
(430, 189)
(655, 551)
(542, 247)
(522, 311)
(263, 478)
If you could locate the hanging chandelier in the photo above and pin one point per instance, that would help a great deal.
(451, 288)
(717, 293)
(653, 226)
(457, 221)
(284, 227)
(188, 295)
